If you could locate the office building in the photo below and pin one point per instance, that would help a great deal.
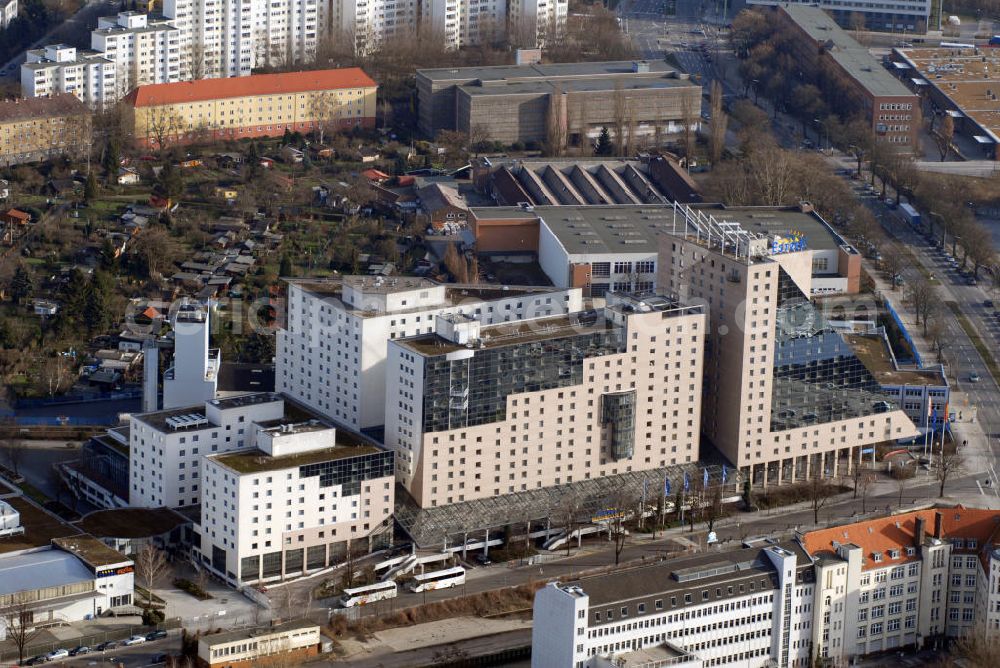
(605, 248)
(904, 580)
(41, 128)
(517, 103)
(923, 393)
(71, 580)
(260, 105)
(854, 82)
(477, 411)
(960, 82)
(146, 50)
(194, 375)
(906, 17)
(58, 68)
(294, 503)
(746, 607)
(100, 476)
(331, 352)
(278, 644)
(789, 398)
(165, 447)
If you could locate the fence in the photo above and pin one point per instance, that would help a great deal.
(903, 332)
(78, 399)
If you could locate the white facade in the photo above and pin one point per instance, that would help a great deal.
(61, 583)
(194, 375)
(536, 19)
(463, 23)
(165, 447)
(8, 12)
(292, 505)
(58, 68)
(144, 51)
(721, 612)
(331, 353)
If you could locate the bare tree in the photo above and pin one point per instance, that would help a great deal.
(619, 118)
(17, 617)
(719, 121)
(819, 491)
(944, 135)
(162, 124)
(325, 110)
(920, 294)
(150, 566)
(13, 450)
(555, 124)
(949, 464)
(479, 135)
(713, 509)
(569, 512)
(689, 138)
(978, 647)
(620, 505)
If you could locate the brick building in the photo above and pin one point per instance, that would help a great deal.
(859, 82)
(520, 102)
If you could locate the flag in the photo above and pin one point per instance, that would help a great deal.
(666, 487)
(934, 416)
(687, 482)
(704, 477)
(725, 473)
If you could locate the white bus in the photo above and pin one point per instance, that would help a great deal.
(369, 594)
(443, 579)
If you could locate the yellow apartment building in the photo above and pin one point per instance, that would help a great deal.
(259, 105)
(34, 129)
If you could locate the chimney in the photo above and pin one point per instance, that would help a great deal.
(918, 539)
(937, 524)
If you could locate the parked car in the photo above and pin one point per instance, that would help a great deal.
(57, 654)
(483, 560)
(974, 377)
(988, 303)
(160, 658)
(79, 651)
(156, 635)
(105, 646)
(135, 640)
(36, 660)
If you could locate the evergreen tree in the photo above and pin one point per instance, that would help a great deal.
(169, 183)
(285, 268)
(21, 286)
(108, 260)
(95, 312)
(90, 189)
(604, 143)
(112, 159)
(74, 294)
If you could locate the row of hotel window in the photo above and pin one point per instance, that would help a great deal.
(689, 598)
(604, 268)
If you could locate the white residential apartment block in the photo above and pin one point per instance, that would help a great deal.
(166, 447)
(331, 352)
(145, 50)
(463, 22)
(476, 412)
(749, 608)
(295, 503)
(789, 398)
(58, 68)
(194, 375)
(370, 23)
(8, 12)
(532, 22)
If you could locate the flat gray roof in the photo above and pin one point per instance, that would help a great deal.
(37, 570)
(224, 638)
(690, 575)
(629, 228)
(852, 56)
(637, 82)
(541, 71)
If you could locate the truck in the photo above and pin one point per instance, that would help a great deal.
(994, 41)
(911, 215)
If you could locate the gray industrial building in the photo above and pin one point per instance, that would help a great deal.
(517, 102)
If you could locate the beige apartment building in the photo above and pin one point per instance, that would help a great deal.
(478, 412)
(786, 396)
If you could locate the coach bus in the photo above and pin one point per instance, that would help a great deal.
(449, 577)
(369, 594)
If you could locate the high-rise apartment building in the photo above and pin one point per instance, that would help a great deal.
(58, 68)
(331, 352)
(296, 502)
(477, 411)
(789, 398)
(145, 50)
(194, 375)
